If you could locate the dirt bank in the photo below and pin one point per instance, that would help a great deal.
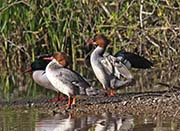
(163, 103)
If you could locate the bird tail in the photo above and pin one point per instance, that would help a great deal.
(90, 91)
(116, 83)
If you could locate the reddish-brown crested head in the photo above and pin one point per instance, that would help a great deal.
(101, 40)
(61, 58)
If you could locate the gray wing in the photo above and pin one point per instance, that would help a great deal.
(72, 77)
(114, 66)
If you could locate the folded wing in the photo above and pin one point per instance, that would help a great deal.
(72, 78)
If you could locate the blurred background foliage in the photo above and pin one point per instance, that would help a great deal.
(29, 28)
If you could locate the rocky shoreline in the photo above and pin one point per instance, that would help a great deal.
(163, 103)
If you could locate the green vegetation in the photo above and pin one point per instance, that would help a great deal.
(29, 28)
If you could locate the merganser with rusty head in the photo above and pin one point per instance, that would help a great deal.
(65, 80)
(110, 69)
(39, 76)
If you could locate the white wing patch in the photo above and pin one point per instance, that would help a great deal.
(114, 66)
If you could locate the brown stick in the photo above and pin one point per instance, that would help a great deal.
(169, 85)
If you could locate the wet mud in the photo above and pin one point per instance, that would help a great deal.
(165, 103)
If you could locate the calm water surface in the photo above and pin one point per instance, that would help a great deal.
(32, 120)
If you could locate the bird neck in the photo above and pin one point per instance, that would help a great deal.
(99, 51)
(53, 65)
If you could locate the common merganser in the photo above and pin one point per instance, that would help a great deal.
(110, 69)
(58, 122)
(39, 76)
(65, 80)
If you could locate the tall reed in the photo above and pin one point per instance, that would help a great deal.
(29, 28)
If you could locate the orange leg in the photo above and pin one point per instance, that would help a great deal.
(74, 100)
(63, 98)
(112, 92)
(58, 98)
(69, 102)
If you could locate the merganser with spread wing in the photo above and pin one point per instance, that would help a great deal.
(110, 69)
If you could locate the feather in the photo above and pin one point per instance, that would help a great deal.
(114, 66)
(135, 60)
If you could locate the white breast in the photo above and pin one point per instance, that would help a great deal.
(41, 79)
(97, 65)
(52, 75)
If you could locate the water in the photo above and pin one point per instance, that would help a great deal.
(33, 120)
(17, 120)
(104, 122)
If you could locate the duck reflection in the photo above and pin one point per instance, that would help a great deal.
(110, 122)
(105, 122)
(56, 123)
(68, 122)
